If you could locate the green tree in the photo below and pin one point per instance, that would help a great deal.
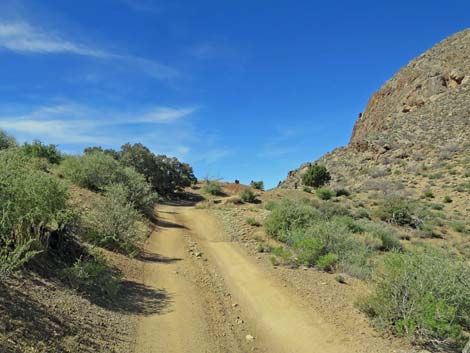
(316, 176)
(39, 150)
(165, 174)
(6, 141)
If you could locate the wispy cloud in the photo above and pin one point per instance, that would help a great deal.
(74, 123)
(22, 37)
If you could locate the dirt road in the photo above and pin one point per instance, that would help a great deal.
(220, 296)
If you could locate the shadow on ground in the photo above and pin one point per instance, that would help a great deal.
(157, 258)
(139, 299)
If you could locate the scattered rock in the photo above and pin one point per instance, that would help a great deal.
(249, 338)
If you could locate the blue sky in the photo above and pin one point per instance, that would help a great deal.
(239, 89)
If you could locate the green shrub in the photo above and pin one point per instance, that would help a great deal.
(39, 150)
(115, 222)
(437, 206)
(94, 171)
(270, 205)
(93, 275)
(253, 222)
(248, 195)
(284, 254)
(324, 193)
(259, 185)
(458, 227)
(7, 141)
(307, 248)
(342, 192)
(395, 210)
(138, 191)
(31, 205)
(314, 232)
(213, 188)
(307, 189)
(316, 176)
(289, 215)
(384, 233)
(265, 248)
(361, 212)
(31, 200)
(447, 199)
(428, 194)
(13, 256)
(350, 223)
(327, 262)
(422, 294)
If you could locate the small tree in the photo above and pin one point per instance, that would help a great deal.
(39, 150)
(248, 195)
(259, 185)
(316, 176)
(6, 141)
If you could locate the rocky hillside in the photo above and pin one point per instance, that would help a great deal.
(414, 136)
(422, 113)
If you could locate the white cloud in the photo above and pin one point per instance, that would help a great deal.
(21, 37)
(74, 123)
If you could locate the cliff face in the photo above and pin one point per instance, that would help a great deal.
(428, 90)
(421, 114)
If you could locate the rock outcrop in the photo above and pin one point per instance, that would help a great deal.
(422, 113)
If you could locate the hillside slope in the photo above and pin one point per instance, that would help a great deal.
(413, 138)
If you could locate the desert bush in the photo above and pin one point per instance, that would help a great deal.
(253, 222)
(422, 294)
(264, 248)
(395, 210)
(458, 226)
(350, 223)
(384, 233)
(327, 262)
(447, 199)
(13, 256)
(248, 195)
(138, 191)
(115, 222)
(308, 249)
(379, 172)
(7, 141)
(259, 185)
(428, 194)
(31, 200)
(313, 232)
(31, 204)
(94, 171)
(316, 176)
(342, 192)
(324, 193)
(39, 150)
(361, 212)
(213, 188)
(289, 215)
(92, 274)
(437, 206)
(270, 205)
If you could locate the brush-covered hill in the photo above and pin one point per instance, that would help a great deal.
(413, 139)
